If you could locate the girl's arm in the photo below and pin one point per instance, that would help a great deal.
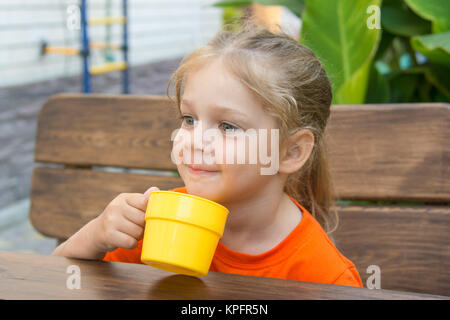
(82, 244)
(120, 225)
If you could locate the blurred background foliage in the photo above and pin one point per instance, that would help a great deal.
(406, 59)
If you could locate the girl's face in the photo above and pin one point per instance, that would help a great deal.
(215, 102)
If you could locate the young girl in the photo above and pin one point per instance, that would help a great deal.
(279, 224)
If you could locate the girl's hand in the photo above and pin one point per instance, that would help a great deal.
(121, 224)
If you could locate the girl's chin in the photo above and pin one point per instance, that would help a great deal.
(204, 190)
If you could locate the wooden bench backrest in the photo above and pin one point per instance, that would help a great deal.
(377, 152)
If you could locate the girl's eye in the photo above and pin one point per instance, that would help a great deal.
(188, 120)
(228, 127)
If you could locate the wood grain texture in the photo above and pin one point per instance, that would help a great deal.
(120, 131)
(411, 245)
(31, 276)
(63, 200)
(397, 152)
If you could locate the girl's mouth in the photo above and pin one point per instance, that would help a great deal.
(201, 169)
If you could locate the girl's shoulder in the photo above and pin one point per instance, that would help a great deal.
(318, 259)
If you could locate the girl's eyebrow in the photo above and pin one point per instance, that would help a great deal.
(221, 109)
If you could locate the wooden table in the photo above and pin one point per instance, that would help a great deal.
(32, 276)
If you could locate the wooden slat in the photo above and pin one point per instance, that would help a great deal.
(411, 245)
(377, 152)
(391, 152)
(63, 200)
(32, 276)
(99, 130)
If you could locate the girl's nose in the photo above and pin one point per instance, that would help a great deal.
(200, 140)
(197, 137)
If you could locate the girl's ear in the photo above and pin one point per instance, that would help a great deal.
(296, 151)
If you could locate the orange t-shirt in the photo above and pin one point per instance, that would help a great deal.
(306, 254)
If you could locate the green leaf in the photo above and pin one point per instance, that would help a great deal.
(439, 76)
(338, 33)
(437, 11)
(296, 6)
(231, 3)
(384, 44)
(232, 17)
(378, 88)
(436, 47)
(400, 20)
(426, 83)
(403, 86)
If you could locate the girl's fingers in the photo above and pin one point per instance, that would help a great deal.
(134, 215)
(147, 193)
(139, 200)
(130, 228)
(123, 240)
(136, 200)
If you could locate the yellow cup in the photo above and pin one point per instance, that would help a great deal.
(182, 232)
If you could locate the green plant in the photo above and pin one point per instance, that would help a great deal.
(232, 17)
(406, 60)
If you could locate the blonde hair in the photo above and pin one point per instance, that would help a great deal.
(293, 87)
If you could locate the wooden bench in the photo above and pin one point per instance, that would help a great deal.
(378, 152)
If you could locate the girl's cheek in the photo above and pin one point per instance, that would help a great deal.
(229, 151)
(181, 147)
(236, 150)
(176, 153)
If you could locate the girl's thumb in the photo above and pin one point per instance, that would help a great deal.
(147, 193)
